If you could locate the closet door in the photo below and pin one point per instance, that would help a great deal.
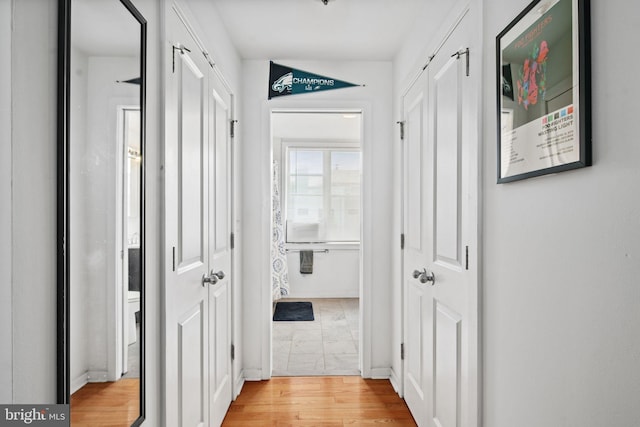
(451, 229)
(441, 223)
(416, 370)
(220, 371)
(187, 192)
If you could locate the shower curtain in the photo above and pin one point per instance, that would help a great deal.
(279, 271)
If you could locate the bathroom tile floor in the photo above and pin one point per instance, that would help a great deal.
(328, 345)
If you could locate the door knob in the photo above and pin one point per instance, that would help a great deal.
(219, 274)
(424, 277)
(211, 280)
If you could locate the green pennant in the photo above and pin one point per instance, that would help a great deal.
(285, 80)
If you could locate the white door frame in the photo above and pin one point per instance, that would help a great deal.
(117, 356)
(474, 385)
(366, 259)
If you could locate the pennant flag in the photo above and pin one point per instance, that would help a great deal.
(285, 80)
(133, 81)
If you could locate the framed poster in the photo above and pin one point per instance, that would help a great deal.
(544, 90)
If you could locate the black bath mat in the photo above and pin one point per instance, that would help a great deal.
(293, 311)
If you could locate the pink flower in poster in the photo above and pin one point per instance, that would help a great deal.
(533, 76)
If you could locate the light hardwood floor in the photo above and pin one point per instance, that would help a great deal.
(318, 401)
(106, 404)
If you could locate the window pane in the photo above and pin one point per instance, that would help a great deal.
(305, 185)
(304, 208)
(305, 162)
(323, 208)
(345, 160)
(343, 221)
(345, 173)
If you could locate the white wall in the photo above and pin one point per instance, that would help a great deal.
(561, 306)
(376, 100)
(6, 362)
(34, 60)
(335, 274)
(78, 308)
(561, 296)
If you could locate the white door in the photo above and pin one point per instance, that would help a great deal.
(416, 381)
(444, 289)
(187, 194)
(220, 373)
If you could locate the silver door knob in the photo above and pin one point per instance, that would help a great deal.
(424, 276)
(210, 280)
(219, 274)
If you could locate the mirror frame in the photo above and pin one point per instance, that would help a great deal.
(63, 201)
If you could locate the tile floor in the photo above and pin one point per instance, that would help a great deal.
(327, 345)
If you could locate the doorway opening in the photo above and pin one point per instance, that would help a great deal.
(316, 229)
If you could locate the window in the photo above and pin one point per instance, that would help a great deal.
(322, 192)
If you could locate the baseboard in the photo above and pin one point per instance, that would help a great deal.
(97, 376)
(252, 374)
(380, 373)
(78, 382)
(321, 294)
(238, 384)
(395, 382)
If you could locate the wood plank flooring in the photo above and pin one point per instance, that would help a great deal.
(106, 404)
(318, 401)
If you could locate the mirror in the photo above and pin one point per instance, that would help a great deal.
(101, 211)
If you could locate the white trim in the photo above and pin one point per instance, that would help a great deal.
(380, 373)
(396, 382)
(445, 35)
(192, 32)
(101, 376)
(78, 382)
(117, 360)
(238, 383)
(252, 374)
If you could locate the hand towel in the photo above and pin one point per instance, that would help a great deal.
(306, 262)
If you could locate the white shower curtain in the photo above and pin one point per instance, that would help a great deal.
(279, 271)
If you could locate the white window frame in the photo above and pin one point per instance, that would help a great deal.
(326, 146)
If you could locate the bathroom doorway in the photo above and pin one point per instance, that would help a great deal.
(316, 257)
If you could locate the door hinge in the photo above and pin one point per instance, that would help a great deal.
(465, 52)
(402, 241)
(233, 352)
(401, 123)
(232, 241)
(174, 258)
(402, 351)
(232, 128)
(182, 49)
(466, 257)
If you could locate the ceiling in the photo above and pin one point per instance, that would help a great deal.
(105, 28)
(307, 29)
